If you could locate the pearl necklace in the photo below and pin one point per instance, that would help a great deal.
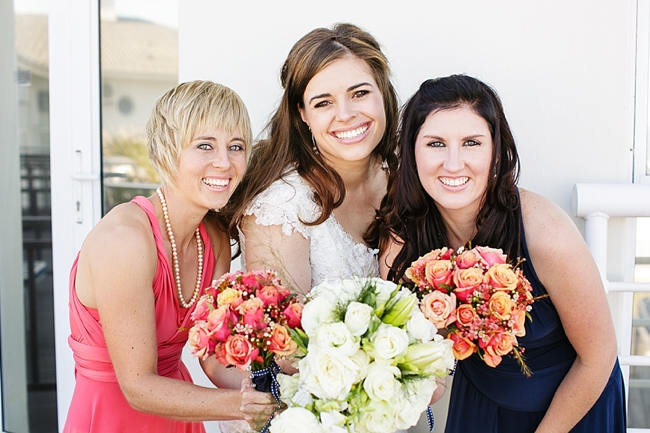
(175, 263)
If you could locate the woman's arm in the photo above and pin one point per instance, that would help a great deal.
(565, 267)
(268, 247)
(119, 263)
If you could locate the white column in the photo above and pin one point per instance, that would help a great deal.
(75, 158)
(13, 377)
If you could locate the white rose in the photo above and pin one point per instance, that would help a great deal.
(341, 291)
(357, 318)
(326, 375)
(333, 422)
(317, 311)
(388, 342)
(296, 419)
(361, 361)
(302, 398)
(336, 337)
(412, 401)
(288, 387)
(380, 382)
(419, 328)
(377, 416)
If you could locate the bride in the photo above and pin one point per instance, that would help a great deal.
(312, 188)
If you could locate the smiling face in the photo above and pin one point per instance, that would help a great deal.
(344, 108)
(211, 167)
(453, 153)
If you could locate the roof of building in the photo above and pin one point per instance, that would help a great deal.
(129, 48)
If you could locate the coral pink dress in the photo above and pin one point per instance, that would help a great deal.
(98, 404)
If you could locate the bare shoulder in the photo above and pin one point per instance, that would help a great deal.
(544, 221)
(124, 232)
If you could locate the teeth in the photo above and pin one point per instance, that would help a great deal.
(216, 182)
(351, 134)
(454, 181)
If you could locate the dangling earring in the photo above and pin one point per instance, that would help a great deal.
(313, 142)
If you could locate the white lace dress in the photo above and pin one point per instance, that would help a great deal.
(333, 253)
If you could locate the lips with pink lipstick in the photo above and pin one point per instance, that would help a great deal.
(352, 135)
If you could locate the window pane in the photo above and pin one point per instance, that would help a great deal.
(31, 40)
(139, 62)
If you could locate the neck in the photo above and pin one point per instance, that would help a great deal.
(354, 174)
(460, 225)
(184, 216)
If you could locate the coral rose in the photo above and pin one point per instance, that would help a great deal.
(293, 314)
(199, 341)
(439, 308)
(501, 305)
(466, 281)
(252, 311)
(281, 342)
(438, 273)
(238, 351)
(202, 308)
(465, 314)
(467, 259)
(519, 320)
(270, 295)
(502, 277)
(219, 322)
(463, 347)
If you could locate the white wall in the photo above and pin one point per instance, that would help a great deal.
(565, 70)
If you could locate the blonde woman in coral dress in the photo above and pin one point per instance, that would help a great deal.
(140, 271)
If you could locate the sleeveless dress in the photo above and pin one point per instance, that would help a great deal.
(333, 253)
(98, 404)
(502, 400)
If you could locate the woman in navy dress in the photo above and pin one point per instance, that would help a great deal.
(457, 184)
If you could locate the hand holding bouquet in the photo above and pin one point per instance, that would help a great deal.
(371, 361)
(480, 298)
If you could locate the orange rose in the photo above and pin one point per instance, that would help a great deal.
(219, 322)
(465, 314)
(500, 344)
(416, 272)
(199, 341)
(502, 277)
(519, 319)
(281, 342)
(252, 311)
(491, 358)
(439, 308)
(467, 259)
(238, 351)
(467, 280)
(438, 272)
(462, 347)
(501, 306)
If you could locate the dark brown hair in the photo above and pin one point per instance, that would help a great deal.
(289, 142)
(411, 214)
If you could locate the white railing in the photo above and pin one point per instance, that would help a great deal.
(596, 203)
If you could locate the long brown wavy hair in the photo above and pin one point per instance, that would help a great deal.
(409, 213)
(289, 142)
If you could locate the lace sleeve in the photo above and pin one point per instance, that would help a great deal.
(285, 203)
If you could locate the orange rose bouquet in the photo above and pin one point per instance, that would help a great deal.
(245, 320)
(478, 297)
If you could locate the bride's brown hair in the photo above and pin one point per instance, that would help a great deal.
(289, 143)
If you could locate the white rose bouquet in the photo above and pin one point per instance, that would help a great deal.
(370, 364)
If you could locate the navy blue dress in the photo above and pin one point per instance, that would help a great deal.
(502, 400)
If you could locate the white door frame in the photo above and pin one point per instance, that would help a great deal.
(75, 133)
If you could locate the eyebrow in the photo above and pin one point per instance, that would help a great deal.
(435, 137)
(349, 89)
(207, 137)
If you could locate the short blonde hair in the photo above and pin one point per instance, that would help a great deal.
(183, 111)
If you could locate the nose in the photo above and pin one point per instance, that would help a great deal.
(344, 111)
(221, 158)
(454, 159)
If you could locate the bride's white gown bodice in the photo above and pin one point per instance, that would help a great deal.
(333, 253)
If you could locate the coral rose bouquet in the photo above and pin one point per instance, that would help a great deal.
(478, 297)
(245, 320)
(371, 360)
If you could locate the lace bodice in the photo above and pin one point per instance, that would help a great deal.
(333, 253)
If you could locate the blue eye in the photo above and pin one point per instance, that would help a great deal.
(471, 143)
(436, 144)
(204, 146)
(236, 147)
